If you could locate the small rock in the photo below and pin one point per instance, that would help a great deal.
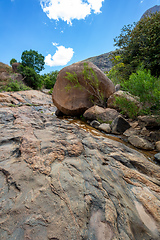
(145, 132)
(134, 124)
(152, 121)
(155, 135)
(140, 142)
(131, 131)
(100, 114)
(119, 125)
(157, 157)
(117, 87)
(158, 146)
(105, 127)
(58, 113)
(95, 124)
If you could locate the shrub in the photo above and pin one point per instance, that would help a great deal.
(32, 79)
(16, 86)
(49, 79)
(127, 107)
(91, 80)
(146, 87)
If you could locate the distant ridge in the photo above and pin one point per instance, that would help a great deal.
(154, 9)
(101, 61)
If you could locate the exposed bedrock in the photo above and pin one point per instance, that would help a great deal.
(60, 182)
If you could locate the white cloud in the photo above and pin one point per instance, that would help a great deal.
(67, 10)
(142, 1)
(61, 57)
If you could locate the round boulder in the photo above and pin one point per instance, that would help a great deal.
(72, 100)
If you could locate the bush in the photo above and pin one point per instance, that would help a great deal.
(32, 79)
(50, 79)
(146, 87)
(127, 108)
(16, 86)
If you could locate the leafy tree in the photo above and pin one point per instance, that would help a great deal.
(13, 60)
(33, 59)
(140, 43)
(49, 79)
(31, 77)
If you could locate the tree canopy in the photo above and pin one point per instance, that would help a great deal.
(33, 59)
(140, 44)
(13, 60)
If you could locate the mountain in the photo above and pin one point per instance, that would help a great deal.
(154, 9)
(103, 61)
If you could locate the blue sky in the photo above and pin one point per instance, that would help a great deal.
(64, 31)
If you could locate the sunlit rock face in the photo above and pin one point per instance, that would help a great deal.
(61, 182)
(75, 100)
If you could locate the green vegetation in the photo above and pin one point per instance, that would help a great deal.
(33, 59)
(92, 84)
(137, 65)
(32, 79)
(49, 79)
(140, 44)
(15, 86)
(13, 60)
(127, 107)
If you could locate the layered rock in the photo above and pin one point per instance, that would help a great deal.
(75, 101)
(61, 182)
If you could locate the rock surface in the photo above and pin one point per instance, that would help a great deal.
(75, 101)
(101, 114)
(61, 182)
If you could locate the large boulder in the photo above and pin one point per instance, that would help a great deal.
(15, 66)
(75, 101)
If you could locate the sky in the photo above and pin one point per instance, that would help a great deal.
(64, 31)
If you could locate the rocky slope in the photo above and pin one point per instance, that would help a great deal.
(102, 61)
(7, 76)
(154, 9)
(61, 182)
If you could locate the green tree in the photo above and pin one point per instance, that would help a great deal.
(33, 59)
(49, 79)
(13, 60)
(31, 78)
(140, 44)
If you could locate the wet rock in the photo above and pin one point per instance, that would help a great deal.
(158, 146)
(157, 157)
(140, 142)
(105, 127)
(106, 115)
(155, 135)
(95, 124)
(75, 101)
(119, 125)
(59, 181)
(131, 131)
(149, 122)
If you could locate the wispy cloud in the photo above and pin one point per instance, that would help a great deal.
(67, 10)
(61, 57)
(142, 1)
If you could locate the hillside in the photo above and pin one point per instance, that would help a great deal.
(102, 61)
(154, 9)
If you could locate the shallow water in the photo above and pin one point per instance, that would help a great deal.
(119, 138)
